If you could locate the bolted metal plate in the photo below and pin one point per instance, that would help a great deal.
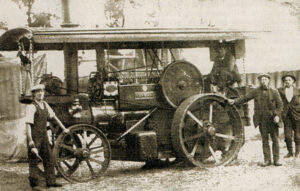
(179, 81)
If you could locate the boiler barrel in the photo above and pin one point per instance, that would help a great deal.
(10, 107)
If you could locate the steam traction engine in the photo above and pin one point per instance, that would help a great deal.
(166, 116)
(167, 113)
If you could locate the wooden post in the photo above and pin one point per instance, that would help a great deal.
(71, 69)
(277, 79)
(164, 57)
(100, 60)
(298, 78)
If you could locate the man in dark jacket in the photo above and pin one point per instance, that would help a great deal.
(224, 72)
(290, 96)
(267, 110)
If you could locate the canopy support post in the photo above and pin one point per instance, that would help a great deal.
(71, 69)
(100, 59)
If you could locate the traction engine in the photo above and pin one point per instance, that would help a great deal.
(167, 116)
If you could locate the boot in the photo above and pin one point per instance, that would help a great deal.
(276, 163)
(37, 188)
(33, 182)
(266, 163)
(297, 151)
(53, 185)
(290, 154)
(290, 149)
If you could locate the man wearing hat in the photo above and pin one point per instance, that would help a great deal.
(224, 72)
(37, 114)
(267, 110)
(290, 96)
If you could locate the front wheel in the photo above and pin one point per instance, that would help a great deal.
(83, 154)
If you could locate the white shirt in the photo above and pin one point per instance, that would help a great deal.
(289, 92)
(31, 109)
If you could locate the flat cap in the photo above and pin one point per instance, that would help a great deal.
(263, 75)
(38, 87)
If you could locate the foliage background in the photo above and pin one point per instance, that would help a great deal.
(269, 52)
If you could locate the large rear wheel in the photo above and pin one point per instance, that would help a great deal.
(206, 131)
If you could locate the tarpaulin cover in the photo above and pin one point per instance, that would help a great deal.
(13, 146)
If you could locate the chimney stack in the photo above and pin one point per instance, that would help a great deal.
(66, 15)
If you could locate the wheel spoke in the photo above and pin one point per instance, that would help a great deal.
(210, 113)
(68, 147)
(92, 141)
(213, 154)
(194, 149)
(97, 151)
(61, 159)
(67, 164)
(84, 144)
(72, 137)
(93, 148)
(91, 168)
(193, 137)
(225, 136)
(95, 160)
(195, 118)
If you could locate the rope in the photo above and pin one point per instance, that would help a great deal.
(246, 79)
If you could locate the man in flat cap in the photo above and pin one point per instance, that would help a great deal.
(37, 115)
(267, 110)
(290, 96)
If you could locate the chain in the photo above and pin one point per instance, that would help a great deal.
(31, 61)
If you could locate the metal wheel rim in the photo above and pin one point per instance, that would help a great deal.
(87, 155)
(164, 82)
(179, 140)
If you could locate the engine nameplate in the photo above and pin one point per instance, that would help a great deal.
(145, 95)
(139, 96)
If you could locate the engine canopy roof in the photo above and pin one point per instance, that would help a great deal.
(55, 39)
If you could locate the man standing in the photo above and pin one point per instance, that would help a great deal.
(291, 113)
(37, 114)
(267, 110)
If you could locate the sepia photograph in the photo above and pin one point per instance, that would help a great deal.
(183, 95)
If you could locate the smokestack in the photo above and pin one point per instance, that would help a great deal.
(66, 14)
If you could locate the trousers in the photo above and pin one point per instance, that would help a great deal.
(266, 130)
(291, 131)
(43, 146)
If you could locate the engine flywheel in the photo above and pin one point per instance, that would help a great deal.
(179, 81)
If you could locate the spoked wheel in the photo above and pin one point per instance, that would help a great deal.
(83, 154)
(207, 131)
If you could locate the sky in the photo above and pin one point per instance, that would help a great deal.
(275, 50)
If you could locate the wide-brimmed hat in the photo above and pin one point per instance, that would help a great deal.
(263, 75)
(288, 75)
(38, 87)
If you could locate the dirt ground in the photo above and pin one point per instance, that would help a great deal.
(242, 174)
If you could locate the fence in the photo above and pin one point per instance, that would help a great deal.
(276, 82)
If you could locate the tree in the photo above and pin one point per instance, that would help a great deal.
(293, 5)
(28, 4)
(114, 13)
(42, 19)
(3, 25)
(35, 19)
